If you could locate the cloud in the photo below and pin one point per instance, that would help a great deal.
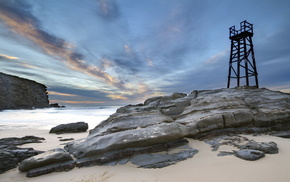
(7, 57)
(23, 23)
(61, 94)
(285, 90)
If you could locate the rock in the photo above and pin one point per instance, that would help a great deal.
(246, 150)
(56, 167)
(44, 159)
(7, 161)
(283, 134)
(20, 93)
(265, 147)
(11, 155)
(23, 153)
(70, 128)
(200, 114)
(248, 154)
(225, 153)
(95, 144)
(173, 105)
(122, 155)
(14, 141)
(66, 139)
(115, 123)
(162, 160)
(55, 105)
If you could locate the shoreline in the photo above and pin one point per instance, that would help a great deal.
(205, 166)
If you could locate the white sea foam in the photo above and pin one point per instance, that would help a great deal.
(48, 118)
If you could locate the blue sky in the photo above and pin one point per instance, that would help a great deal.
(115, 52)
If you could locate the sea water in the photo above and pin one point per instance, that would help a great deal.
(50, 117)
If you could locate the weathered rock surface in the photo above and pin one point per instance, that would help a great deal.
(20, 93)
(70, 128)
(248, 154)
(11, 155)
(163, 121)
(55, 167)
(13, 141)
(50, 157)
(247, 147)
(265, 147)
(199, 114)
(162, 160)
(7, 161)
(118, 156)
(283, 134)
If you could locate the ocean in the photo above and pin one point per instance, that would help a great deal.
(50, 117)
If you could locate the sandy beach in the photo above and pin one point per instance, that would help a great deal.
(205, 166)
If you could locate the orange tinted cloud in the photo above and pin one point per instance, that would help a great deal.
(8, 57)
(61, 94)
(117, 97)
(27, 26)
(54, 46)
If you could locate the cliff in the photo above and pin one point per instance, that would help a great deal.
(20, 93)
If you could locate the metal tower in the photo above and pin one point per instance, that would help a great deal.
(242, 59)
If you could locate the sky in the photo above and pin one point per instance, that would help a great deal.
(116, 52)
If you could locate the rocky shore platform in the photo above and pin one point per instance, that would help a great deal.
(157, 133)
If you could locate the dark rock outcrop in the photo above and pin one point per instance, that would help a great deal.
(7, 161)
(249, 154)
(50, 157)
(198, 115)
(162, 160)
(14, 141)
(282, 134)
(56, 167)
(163, 121)
(70, 128)
(55, 160)
(265, 147)
(11, 155)
(251, 150)
(55, 105)
(118, 155)
(20, 93)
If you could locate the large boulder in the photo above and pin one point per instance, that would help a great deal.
(96, 144)
(50, 157)
(21, 93)
(70, 128)
(199, 114)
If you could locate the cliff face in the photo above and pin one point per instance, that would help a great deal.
(20, 93)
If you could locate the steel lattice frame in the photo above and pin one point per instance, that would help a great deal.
(242, 58)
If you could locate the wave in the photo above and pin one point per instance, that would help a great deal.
(50, 117)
